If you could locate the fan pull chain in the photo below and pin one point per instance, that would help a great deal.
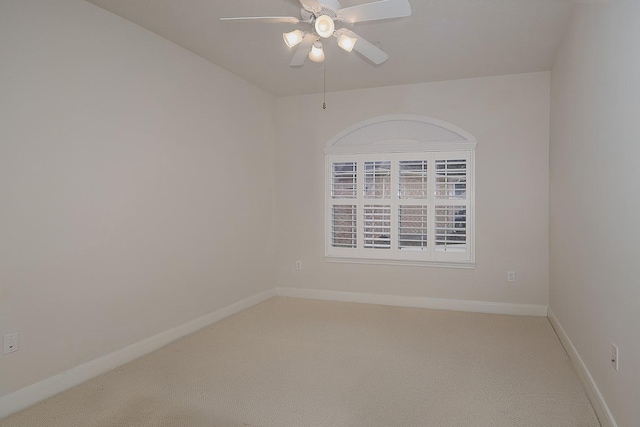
(324, 88)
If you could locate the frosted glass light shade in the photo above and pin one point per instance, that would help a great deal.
(293, 38)
(317, 53)
(325, 26)
(346, 42)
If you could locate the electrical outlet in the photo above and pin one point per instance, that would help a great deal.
(298, 265)
(11, 343)
(511, 276)
(614, 356)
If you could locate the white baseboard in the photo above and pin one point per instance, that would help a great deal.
(53, 385)
(597, 401)
(419, 302)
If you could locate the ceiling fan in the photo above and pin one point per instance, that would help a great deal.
(323, 16)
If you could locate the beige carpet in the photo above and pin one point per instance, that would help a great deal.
(290, 362)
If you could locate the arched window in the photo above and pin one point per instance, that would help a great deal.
(400, 190)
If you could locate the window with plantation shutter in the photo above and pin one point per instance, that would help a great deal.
(401, 200)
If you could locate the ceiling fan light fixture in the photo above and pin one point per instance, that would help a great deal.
(325, 26)
(317, 53)
(347, 43)
(293, 38)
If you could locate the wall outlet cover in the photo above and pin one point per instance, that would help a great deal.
(11, 343)
(614, 356)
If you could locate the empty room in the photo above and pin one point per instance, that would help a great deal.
(300, 213)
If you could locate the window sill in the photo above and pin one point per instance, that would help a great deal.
(403, 262)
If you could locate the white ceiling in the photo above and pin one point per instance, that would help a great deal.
(441, 40)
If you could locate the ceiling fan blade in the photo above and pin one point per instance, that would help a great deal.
(312, 6)
(370, 51)
(275, 19)
(303, 50)
(383, 9)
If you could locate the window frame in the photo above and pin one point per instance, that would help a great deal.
(396, 151)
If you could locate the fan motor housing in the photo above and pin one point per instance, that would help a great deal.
(328, 7)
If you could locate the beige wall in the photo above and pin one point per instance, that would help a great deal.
(509, 116)
(595, 197)
(135, 186)
(133, 195)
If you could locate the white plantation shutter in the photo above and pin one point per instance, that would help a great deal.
(450, 211)
(389, 204)
(343, 180)
(451, 179)
(344, 216)
(344, 226)
(413, 211)
(377, 180)
(377, 226)
(451, 228)
(413, 179)
(413, 227)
